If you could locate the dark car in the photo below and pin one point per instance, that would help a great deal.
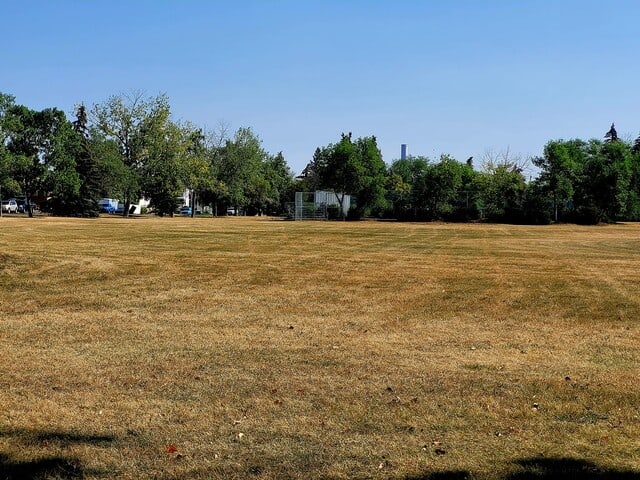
(22, 205)
(107, 208)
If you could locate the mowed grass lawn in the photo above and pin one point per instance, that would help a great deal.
(256, 348)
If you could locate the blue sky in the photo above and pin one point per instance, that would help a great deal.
(458, 76)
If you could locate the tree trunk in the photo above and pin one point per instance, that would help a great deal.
(127, 205)
(340, 199)
(27, 201)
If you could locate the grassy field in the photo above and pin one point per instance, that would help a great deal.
(255, 348)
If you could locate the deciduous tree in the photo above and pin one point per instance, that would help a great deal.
(127, 120)
(559, 169)
(353, 168)
(163, 168)
(239, 170)
(37, 143)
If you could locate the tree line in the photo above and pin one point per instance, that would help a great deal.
(127, 147)
(578, 181)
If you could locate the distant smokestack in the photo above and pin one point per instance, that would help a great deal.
(403, 151)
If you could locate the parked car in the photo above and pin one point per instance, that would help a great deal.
(231, 211)
(10, 206)
(108, 205)
(186, 211)
(107, 208)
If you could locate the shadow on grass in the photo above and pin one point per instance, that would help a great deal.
(541, 468)
(48, 467)
(42, 468)
(450, 475)
(537, 468)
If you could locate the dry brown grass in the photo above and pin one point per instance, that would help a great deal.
(268, 349)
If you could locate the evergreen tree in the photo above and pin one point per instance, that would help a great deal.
(86, 167)
(611, 135)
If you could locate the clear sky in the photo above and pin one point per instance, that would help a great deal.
(443, 76)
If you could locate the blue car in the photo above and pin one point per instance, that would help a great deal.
(186, 211)
(106, 208)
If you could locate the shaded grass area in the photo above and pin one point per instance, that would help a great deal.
(245, 348)
(49, 465)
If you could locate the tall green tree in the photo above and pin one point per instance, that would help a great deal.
(309, 179)
(354, 168)
(61, 180)
(633, 206)
(163, 170)
(406, 179)
(371, 188)
(128, 119)
(205, 171)
(238, 166)
(422, 190)
(501, 189)
(197, 167)
(279, 180)
(72, 176)
(6, 181)
(559, 169)
(112, 174)
(86, 166)
(37, 143)
(443, 183)
(603, 187)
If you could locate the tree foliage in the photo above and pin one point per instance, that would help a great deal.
(424, 190)
(39, 144)
(590, 182)
(129, 146)
(129, 120)
(353, 168)
(558, 170)
(502, 190)
(248, 177)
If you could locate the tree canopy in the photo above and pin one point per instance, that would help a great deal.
(352, 168)
(129, 147)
